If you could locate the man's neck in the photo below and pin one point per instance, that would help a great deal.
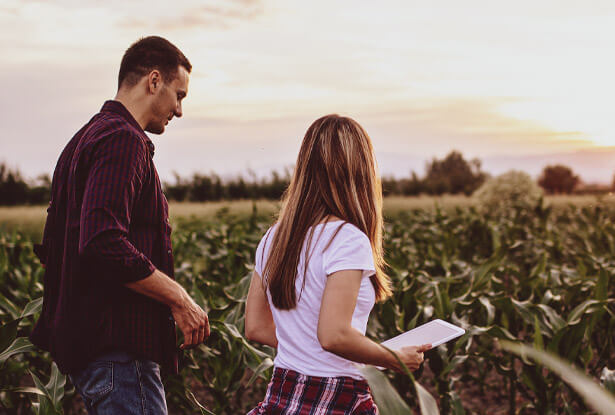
(134, 108)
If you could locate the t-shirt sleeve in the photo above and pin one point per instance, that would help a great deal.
(350, 249)
(260, 259)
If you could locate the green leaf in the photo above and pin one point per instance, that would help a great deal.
(4, 260)
(45, 401)
(39, 385)
(199, 298)
(483, 272)
(494, 331)
(33, 307)
(55, 386)
(524, 310)
(555, 321)
(195, 402)
(426, 401)
(578, 311)
(452, 364)
(20, 345)
(595, 396)
(232, 330)
(45, 407)
(386, 397)
(8, 333)
(602, 286)
(456, 404)
(537, 335)
(260, 369)
(26, 389)
(8, 306)
(607, 377)
(540, 268)
(489, 308)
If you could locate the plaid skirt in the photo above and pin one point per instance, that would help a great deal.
(292, 393)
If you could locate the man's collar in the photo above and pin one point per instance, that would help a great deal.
(119, 108)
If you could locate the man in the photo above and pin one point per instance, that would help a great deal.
(110, 302)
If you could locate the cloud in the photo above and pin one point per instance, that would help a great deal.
(422, 82)
(219, 15)
(9, 9)
(435, 126)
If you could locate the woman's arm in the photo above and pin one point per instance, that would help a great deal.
(259, 321)
(337, 335)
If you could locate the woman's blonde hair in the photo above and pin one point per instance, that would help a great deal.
(335, 175)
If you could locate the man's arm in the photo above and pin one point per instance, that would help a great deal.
(42, 250)
(112, 186)
(190, 318)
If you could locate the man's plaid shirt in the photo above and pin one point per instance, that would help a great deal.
(107, 224)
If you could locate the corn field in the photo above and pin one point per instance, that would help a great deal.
(534, 275)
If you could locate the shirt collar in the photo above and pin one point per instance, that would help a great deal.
(118, 108)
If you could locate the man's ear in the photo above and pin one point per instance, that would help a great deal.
(154, 81)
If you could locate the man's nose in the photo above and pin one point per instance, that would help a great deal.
(178, 110)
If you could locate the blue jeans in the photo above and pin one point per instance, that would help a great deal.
(117, 383)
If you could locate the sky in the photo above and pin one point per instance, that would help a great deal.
(518, 85)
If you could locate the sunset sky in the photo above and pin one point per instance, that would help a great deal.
(517, 84)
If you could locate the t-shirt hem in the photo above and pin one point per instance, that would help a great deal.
(354, 375)
(368, 270)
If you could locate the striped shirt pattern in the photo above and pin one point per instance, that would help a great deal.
(107, 224)
(293, 393)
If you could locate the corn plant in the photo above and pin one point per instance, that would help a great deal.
(531, 274)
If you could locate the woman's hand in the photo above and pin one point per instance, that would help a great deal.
(411, 356)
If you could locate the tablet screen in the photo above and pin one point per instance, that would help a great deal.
(435, 332)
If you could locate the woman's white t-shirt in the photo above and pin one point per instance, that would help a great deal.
(296, 329)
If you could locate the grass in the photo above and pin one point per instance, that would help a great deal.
(31, 219)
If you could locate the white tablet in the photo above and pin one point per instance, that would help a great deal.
(435, 332)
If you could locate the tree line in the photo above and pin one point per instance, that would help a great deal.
(452, 174)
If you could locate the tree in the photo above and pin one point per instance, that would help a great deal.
(205, 188)
(389, 186)
(453, 175)
(506, 191)
(412, 186)
(178, 191)
(39, 192)
(13, 189)
(558, 179)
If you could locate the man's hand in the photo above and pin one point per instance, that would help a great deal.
(190, 318)
(192, 321)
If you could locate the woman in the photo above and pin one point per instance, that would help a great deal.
(318, 273)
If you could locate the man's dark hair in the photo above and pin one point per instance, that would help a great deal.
(147, 54)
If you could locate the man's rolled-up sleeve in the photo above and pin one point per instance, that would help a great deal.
(112, 186)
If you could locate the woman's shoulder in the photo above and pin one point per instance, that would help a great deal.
(350, 228)
(269, 233)
(344, 231)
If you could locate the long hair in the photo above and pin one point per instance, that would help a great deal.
(335, 174)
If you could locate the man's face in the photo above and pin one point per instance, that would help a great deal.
(167, 102)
